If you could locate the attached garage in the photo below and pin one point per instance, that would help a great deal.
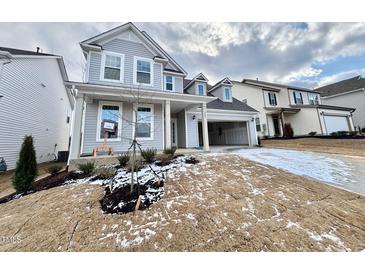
(335, 123)
(226, 133)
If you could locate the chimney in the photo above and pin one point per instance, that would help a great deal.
(38, 49)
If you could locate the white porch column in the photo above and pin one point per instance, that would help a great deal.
(167, 124)
(76, 128)
(205, 127)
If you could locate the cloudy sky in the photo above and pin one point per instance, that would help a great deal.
(304, 54)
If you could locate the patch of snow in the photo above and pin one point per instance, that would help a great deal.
(330, 169)
(292, 224)
(190, 216)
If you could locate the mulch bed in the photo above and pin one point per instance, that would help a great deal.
(48, 182)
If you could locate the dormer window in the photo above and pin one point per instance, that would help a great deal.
(169, 83)
(298, 98)
(227, 94)
(143, 71)
(200, 89)
(112, 69)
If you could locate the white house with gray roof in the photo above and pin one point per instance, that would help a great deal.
(300, 107)
(134, 87)
(33, 101)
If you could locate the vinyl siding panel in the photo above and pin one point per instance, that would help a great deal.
(28, 108)
(90, 129)
(130, 50)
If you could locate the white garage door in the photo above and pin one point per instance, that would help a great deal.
(336, 123)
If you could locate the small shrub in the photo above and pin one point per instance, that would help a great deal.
(149, 154)
(54, 169)
(258, 141)
(342, 133)
(26, 166)
(123, 159)
(164, 159)
(312, 133)
(353, 133)
(288, 131)
(105, 173)
(170, 151)
(334, 133)
(363, 130)
(87, 168)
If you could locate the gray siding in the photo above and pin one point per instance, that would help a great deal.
(192, 131)
(90, 128)
(30, 108)
(130, 50)
(193, 88)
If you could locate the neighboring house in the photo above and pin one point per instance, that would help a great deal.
(33, 101)
(302, 108)
(133, 86)
(349, 93)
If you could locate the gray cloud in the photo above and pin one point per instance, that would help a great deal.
(283, 52)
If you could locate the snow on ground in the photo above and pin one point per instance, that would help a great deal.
(331, 169)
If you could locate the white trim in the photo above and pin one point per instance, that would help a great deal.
(98, 127)
(87, 72)
(102, 69)
(163, 124)
(83, 127)
(135, 108)
(186, 129)
(174, 73)
(106, 90)
(137, 58)
(196, 80)
(173, 83)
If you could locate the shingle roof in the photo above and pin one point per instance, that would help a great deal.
(342, 86)
(24, 52)
(235, 105)
(264, 84)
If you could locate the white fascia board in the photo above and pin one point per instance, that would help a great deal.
(90, 89)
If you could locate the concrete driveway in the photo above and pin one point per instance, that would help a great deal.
(340, 171)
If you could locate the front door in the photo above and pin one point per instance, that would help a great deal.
(174, 132)
(276, 125)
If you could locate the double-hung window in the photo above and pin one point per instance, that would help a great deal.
(169, 83)
(227, 94)
(112, 69)
(272, 98)
(143, 71)
(313, 98)
(200, 89)
(109, 121)
(144, 123)
(298, 98)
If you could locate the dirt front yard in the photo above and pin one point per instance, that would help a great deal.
(350, 147)
(224, 203)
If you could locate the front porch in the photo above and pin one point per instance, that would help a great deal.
(107, 119)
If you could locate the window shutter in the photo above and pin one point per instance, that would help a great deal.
(275, 99)
(270, 98)
(301, 98)
(295, 97)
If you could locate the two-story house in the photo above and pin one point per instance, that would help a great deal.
(349, 93)
(33, 101)
(134, 88)
(300, 107)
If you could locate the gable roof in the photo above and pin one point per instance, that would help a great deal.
(224, 81)
(200, 77)
(234, 105)
(21, 52)
(264, 84)
(14, 51)
(342, 86)
(152, 44)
